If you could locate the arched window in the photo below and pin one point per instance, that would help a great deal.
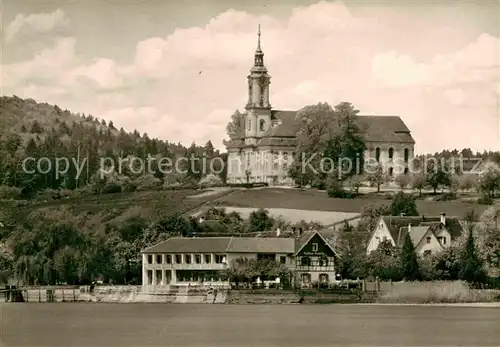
(377, 154)
(249, 125)
(407, 154)
(391, 153)
(262, 125)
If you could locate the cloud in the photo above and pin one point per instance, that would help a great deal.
(184, 86)
(39, 23)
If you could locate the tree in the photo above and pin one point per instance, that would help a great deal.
(404, 204)
(489, 237)
(383, 262)
(351, 246)
(471, 265)
(437, 176)
(377, 177)
(371, 215)
(418, 182)
(467, 181)
(403, 181)
(260, 220)
(354, 183)
(409, 262)
(489, 180)
(236, 123)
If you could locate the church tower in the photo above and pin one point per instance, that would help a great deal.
(258, 108)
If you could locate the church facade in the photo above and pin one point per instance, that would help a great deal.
(263, 147)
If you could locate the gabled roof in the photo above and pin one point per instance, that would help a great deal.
(384, 129)
(398, 226)
(306, 237)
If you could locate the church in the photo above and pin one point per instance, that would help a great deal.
(262, 149)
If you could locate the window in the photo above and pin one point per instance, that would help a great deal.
(219, 258)
(283, 260)
(306, 278)
(315, 247)
(285, 156)
(323, 261)
(159, 276)
(150, 259)
(249, 125)
(391, 153)
(323, 278)
(208, 258)
(406, 171)
(427, 253)
(159, 259)
(428, 240)
(406, 154)
(444, 240)
(391, 171)
(187, 258)
(305, 261)
(285, 166)
(178, 259)
(262, 125)
(168, 259)
(197, 258)
(150, 275)
(377, 154)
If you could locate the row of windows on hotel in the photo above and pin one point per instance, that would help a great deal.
(220, 259)
(186, 258)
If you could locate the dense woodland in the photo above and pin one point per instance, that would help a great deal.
(59, 245)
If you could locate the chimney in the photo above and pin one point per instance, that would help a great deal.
(443, 218)
(278, 231)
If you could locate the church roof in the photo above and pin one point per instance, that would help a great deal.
(373, 128)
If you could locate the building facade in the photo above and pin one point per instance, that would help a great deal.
(200, 260)
(429, 235)
(263, 147)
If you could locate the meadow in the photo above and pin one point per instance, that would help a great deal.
(314, 200)
(290, 203)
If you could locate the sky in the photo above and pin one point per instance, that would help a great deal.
(177, 69)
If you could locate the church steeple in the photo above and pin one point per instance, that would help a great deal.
(258, 115)
(259, 55)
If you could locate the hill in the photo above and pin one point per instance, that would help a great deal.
(36, 130)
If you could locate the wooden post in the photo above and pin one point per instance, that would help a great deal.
(39, 295)
(74, 297)
(62, 290)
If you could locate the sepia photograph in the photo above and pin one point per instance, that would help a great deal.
(266, 173)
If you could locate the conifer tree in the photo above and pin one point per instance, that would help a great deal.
(409, 262)
(471, 265)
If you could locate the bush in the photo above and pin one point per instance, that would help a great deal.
(446, 197)
(112, 188)
(8, 193)
(485, 200)
(147, 182)
(335, 190)
(210, 180)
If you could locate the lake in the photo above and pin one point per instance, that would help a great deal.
(123, 325)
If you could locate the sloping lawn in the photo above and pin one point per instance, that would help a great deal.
(313, 200)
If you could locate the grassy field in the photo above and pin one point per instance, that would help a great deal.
(436, 292)
(157, 202)
(183, 201)
(319, 201)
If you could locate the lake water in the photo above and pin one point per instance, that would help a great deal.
(123, 325)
